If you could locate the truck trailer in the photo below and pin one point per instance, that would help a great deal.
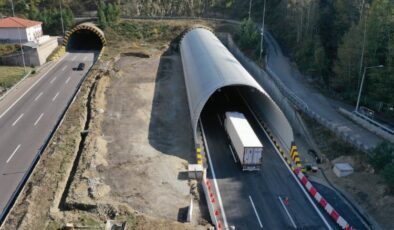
(244, 141)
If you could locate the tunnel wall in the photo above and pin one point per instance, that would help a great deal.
(209, 66)
(85, 26)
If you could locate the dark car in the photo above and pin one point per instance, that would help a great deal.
(314, 154)
(81, 66)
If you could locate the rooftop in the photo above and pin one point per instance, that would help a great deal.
(14, 22)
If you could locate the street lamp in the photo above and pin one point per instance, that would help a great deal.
(61, 15)
(262, 34)
(250, 8)
(362, 83)
(20, 39)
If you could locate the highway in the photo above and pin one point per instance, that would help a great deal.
(251, 199)
(26, 119)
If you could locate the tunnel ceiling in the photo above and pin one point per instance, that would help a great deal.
(208, 66)
(85, 36)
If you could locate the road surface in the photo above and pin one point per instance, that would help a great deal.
(27, 118)
(292, 78)
(251, 199)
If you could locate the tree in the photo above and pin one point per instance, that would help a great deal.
(248, 36)
(388, 175)
(382, 155)
(102, 20)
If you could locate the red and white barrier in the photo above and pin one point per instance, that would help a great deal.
(323, 202)
(213, 206)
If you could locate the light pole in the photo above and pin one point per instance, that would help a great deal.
(262, 34)
(250, 8)
(61, 15)
(20, 39)
(362, 83)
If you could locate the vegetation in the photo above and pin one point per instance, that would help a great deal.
(108, 14)
(10, 75)
(382, 159)
(248, 37)
(8, 49)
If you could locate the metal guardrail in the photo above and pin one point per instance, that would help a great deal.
(30, 169)
(375, 123)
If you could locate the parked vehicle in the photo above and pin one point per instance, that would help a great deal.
(244, 141)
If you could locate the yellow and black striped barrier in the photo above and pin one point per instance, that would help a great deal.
(293, 152)
(199, 156)
(294, 155)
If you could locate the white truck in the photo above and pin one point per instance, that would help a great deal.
(244, 141)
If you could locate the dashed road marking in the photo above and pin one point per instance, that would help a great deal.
(255, 212)
(232, 153)
(64, 68)
(16, 121)
(53, 79)
(54, 98)
(38, 119)
(39, 95)
(16, 149)
(68, 79)
(287, 212)
(220, 121)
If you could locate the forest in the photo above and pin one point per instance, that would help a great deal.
(331, 41)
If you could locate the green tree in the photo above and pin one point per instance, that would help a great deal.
(102, 20)
(388, 175)
(382, 155)
(248, 36)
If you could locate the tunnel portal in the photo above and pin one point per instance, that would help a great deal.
(85, 36)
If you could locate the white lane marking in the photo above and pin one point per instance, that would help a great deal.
(64, 68)
(16, 121)
(38, 119)
(39, 95)
(35, 83)
(232, 153)
(220, 121)
(287, 212)
(16, 149)
(53, 79)
(73, 59)
(255, 212)
(213, 178)
(288, 167)
(54, 98)
(68, 79)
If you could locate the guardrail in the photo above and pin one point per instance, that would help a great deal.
(375, 123)
(30, 169)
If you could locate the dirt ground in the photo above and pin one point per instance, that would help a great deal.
(141, 140)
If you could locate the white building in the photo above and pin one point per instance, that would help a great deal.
(12, 29)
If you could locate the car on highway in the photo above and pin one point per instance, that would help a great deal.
(81, 66)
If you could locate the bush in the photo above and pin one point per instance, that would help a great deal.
(388, 175)
(381, 155)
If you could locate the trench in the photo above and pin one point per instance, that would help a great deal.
(63, 205)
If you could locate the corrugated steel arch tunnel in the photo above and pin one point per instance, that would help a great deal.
(209, 68)
(85, 36)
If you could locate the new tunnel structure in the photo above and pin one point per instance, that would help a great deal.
(209, 67)
(85, 36)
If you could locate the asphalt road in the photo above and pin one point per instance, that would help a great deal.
(251, 199)
(317, 102)
(27, 119)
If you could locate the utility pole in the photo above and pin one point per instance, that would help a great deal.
(250, 8)
(61, 15)
(262, 34)
(363, 49)
(362, 84)
(20, 39)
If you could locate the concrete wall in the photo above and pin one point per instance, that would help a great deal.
(12, 34)
(33, 56)
(26, 34)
